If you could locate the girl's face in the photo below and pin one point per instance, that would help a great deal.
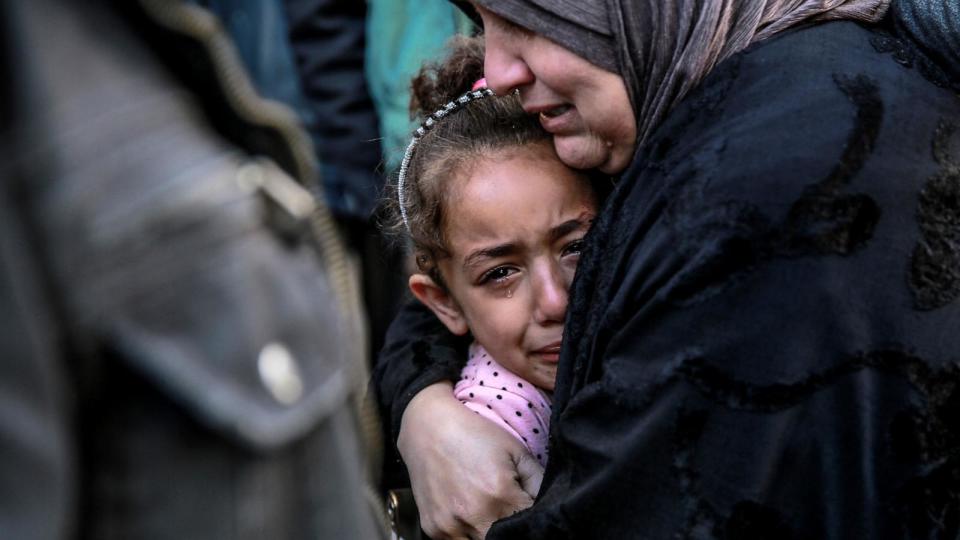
(514, 234)
(584, 107)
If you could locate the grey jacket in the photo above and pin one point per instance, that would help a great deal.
(180, 345)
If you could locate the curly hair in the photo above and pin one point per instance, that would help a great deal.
(448, 150)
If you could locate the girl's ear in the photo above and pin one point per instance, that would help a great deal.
(440, 302)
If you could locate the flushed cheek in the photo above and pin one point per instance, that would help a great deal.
(503, 340)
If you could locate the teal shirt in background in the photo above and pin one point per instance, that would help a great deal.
(401, 36)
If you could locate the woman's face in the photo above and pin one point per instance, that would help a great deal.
(514, 235)
(585, 107)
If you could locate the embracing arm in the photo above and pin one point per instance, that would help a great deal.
(465, 471)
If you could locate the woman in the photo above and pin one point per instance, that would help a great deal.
(761, 336)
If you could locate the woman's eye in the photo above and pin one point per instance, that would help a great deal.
(497, 275)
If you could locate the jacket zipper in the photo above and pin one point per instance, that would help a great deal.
(304, 200)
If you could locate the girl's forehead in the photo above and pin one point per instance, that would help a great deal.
(531, 176)
(521, 197)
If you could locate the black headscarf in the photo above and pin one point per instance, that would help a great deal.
(664, 48)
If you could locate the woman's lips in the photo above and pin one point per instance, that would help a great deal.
(555, 111)
(556, 119)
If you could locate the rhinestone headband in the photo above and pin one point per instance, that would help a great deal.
(427, 125)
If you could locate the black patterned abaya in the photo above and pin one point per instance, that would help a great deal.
(764, 332)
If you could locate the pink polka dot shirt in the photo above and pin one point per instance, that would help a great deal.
(513, 403)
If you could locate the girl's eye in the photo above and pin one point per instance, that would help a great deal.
(497, 275)
(573, 248)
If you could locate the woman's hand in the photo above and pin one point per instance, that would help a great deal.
(465, 471)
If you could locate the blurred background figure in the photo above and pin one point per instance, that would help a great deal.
(403, 35)
(309, 55)
(345, 68)
(183, 339)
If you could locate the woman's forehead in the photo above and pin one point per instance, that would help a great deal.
(581, 27)
(517, 187)
(593, 16)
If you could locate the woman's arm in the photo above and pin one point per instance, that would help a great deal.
(465, 471)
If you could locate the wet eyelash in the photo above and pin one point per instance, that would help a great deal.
(489, 276)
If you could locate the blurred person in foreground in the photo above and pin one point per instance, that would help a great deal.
(181, 335)
(309, 55)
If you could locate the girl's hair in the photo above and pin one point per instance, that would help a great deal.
(449, 149)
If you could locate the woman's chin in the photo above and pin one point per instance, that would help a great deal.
(581, 151)
(587, 151)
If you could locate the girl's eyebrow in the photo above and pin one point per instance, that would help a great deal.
(494, 252)
(510, 248)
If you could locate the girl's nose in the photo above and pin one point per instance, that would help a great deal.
(551, 297)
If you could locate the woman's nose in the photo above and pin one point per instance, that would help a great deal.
(551, 298)
(503, 68)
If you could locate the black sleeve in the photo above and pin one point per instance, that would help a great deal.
(418, 352)
(328, 39)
